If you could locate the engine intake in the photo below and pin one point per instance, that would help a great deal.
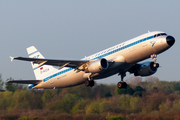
(147, 69)
(97, 66)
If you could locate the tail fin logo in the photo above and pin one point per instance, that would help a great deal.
(37, 56)
(41, 68)
(43, 71)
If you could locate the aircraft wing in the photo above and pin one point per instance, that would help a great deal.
(54, 62)
(25, 81)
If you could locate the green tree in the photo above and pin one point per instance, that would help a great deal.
(101, 91)
(48, 95)
(67, 103)
(107, 106)
(20, 100)
(6, 99)
(128, 90)
(35, 100)
(80, 106)
(116, 117)
(135, 105)
(10, 86)
(1, 82)
(124, 103)
(93, 108)
(139, 91)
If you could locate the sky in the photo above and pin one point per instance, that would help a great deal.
(69, 29)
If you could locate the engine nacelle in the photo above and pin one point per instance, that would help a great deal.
(97, 66)
(146, 69)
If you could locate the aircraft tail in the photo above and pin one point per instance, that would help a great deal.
(43, 71)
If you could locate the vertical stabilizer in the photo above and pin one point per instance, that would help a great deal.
(42, 71)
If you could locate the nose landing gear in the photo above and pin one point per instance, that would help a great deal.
(154, 56)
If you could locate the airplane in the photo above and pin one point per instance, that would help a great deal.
(121, 58)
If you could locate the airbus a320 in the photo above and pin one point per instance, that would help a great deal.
(119, 59)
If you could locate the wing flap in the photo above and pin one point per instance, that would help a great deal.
(25, 81)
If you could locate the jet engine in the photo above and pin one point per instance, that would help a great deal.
(146, 69)
(97, 66)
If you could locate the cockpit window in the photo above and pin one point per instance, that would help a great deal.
(160, 34)
(163, 34)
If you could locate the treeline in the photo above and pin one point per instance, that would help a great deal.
(141, 100)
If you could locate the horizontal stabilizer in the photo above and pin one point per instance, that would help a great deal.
(25, 81)
(12, 58)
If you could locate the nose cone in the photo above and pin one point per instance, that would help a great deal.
(170, 40)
